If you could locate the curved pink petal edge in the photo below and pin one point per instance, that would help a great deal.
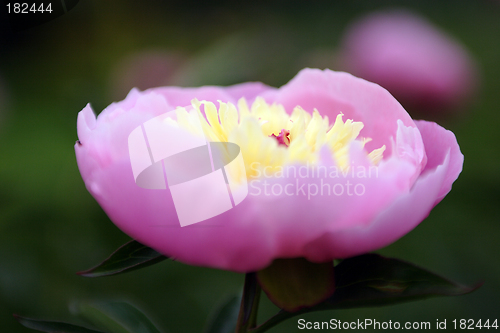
(262, 228)
(443, 167)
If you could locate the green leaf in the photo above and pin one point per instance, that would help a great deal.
(225, 317)
(373, 280)
(130, 256)
(114, 317)
(52, 326)
(296, 283)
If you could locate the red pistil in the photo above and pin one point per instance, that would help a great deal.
(283, 138)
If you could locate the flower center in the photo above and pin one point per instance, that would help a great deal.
(270, 138)
(283, 138)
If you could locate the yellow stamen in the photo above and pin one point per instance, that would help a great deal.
(256, 129)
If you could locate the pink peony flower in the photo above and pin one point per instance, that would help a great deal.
(424, 68)
(334, 166)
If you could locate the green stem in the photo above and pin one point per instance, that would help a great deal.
(247, 318)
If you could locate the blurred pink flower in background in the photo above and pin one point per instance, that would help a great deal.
(143, 70)
(416, 163)
(423, 67)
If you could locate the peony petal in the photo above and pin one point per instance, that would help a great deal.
(86, 122)
(261, 228)
(438, 143)
(182, 96)
(335, 92)
(404, 214)
(443, 166)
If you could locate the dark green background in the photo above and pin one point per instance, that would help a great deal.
(50, 226)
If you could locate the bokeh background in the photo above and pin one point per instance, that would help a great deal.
(50, 226)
